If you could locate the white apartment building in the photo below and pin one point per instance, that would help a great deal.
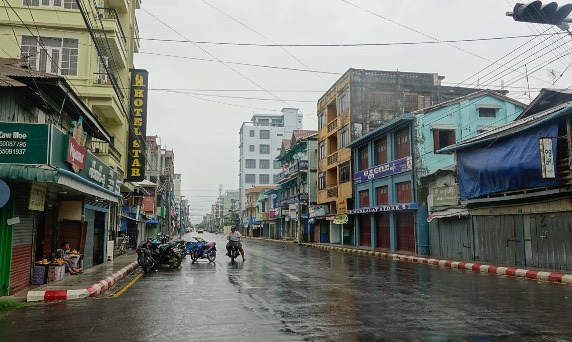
(260, 142)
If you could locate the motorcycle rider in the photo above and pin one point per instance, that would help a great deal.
(234, 236)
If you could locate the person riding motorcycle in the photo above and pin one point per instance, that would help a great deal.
(234, 237)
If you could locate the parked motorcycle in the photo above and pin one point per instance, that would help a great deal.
(201, 249)
(153, 253)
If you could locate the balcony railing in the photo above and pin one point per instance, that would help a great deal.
(105, 148)
(333, 191)
(111, 13)
(333, 125)
(102, 78)
(332, 158)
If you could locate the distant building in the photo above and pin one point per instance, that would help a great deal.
(260, 143)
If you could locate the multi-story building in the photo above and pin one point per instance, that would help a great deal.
(260, 143)
(297, 185)
(390, 162)
(360, 101)
(94, 57)
(249, 220)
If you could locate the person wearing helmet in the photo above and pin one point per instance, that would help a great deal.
(234, 236)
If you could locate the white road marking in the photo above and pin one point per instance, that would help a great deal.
(291, 276)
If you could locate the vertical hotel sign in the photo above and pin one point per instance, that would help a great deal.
(138, 126)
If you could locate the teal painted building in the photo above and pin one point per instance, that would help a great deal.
(389, 163)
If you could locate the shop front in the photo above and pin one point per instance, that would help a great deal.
(56, 191)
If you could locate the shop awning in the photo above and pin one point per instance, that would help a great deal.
(28, 172)
(70, 179)
(451, 212)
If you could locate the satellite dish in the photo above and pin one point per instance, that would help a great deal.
(4, 193)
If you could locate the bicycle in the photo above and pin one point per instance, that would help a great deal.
(122, 248)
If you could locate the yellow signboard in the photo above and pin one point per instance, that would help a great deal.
(37, 197)
(342, 206)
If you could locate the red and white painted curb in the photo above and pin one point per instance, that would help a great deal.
(509, 271)
(92, 291)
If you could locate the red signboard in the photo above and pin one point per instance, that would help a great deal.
(148, 204)
(76, 154)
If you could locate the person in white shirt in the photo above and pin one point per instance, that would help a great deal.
(234, 237)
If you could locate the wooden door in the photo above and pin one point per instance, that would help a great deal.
(405, 231)
(383, 231)
(365, 230)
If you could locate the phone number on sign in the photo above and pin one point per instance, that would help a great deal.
(12, 144)
(12, 150)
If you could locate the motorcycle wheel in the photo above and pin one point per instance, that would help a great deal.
(194, 256)
(145, 264)
(211, 256)
(175, 260)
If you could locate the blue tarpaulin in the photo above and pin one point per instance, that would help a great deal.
(508, 164)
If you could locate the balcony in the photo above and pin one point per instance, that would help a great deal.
(104, 148)
(292, 170)
(333, 191)
(333, 158)
(102, 78)
(333, 125)
(114, 34)
(122, 5)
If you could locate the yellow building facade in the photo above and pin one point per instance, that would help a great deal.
(52, 36)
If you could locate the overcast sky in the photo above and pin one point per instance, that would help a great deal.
(197, 106)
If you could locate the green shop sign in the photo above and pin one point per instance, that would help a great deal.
(24, 143)
(95, 170)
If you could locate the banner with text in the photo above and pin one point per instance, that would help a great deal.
(384, 170)
(138, 126)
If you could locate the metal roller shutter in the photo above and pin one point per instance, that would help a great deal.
(22, 240)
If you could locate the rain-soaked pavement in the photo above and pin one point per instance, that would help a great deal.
(285, 292)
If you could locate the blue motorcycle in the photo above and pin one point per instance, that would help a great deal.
(201, 249)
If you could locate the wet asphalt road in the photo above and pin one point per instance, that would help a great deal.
(285, 292)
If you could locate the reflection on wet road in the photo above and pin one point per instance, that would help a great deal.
(285, 292)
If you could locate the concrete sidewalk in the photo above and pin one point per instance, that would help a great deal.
(90, 283)
(535, 274)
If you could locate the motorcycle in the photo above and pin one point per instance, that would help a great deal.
(153, 253)
(201, 249)
(234, 250)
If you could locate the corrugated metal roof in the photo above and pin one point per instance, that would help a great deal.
(6, 81)
(13, 67)
(512, 127)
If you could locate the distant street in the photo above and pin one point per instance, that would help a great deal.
(285, 292)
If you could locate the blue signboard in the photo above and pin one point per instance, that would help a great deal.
(384, 170)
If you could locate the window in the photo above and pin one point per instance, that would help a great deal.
(443, 138)
(402, 143)
(53, 55)
(487, 112)
(250, 163)
(249, 178)
(344, 139)
(382, 101)
(403, 192)
(322, 119)
(322, 149)
(251, 133)
(263, 121)
(264, 149)
(343, 101)
(264, 134)
(251, 148)
(364, 198)
(276, 121)
(381, 195)
(68, 4)
(380, 147)
(321, 181)
(416, 101)
(277, 165)
(264, 178)
(345, 172)
(264, 163)
(363, 158)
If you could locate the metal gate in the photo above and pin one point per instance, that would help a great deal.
(451, 238)
(499, 239)
(405, 231)
(548, 237)
(365, 230)
(22, 239)
(383, 230)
